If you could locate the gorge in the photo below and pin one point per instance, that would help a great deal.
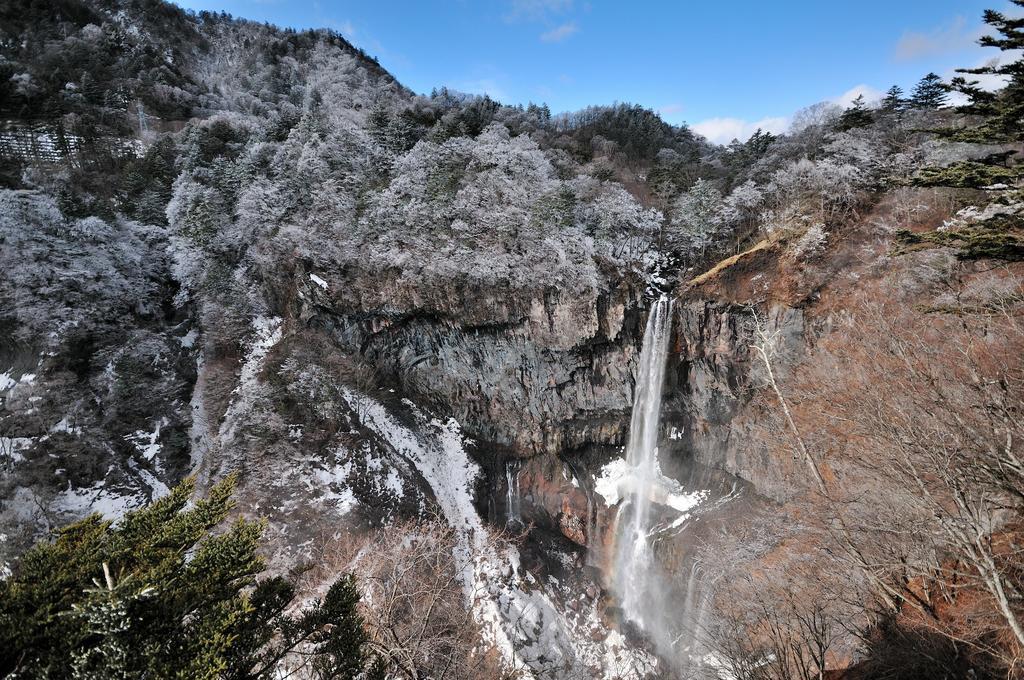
(305, 374)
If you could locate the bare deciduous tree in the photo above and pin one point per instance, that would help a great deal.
(415, 603)
(920, 417)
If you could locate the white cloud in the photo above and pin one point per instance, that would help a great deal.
(952, 37)
(560, 33)
(870, 94)
(987, 81)
(724, 130)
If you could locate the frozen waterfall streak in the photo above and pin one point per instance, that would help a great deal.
(446, 467)
(633, 552)
(512, 490)
(267, 332)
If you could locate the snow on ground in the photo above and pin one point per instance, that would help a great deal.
(148, 443)
(318, 281)
(11, 448)
(393, 483)
(612, 481)
(267, 332)
(64, 425)
(7, 380)
(189, 339)
(518, 613)
(335, 489)
(157, 488)
(5, 567)
(199, 431)
(617, 481)
(112, 504)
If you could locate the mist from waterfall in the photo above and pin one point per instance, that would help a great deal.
(633, 551)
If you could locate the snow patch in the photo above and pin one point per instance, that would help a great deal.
(612, 481)
(318, 281)
(393, 483)
(189, 339)
(617, 480)
(267, 332)
(199, 433)
(65, 426)
(111, 504)
(147, 443)
(336, 490)
(157, 488)
(11, 448)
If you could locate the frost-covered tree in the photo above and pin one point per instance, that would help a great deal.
(696, 216)
(816, 115)
(621, 228)
(741, 206)
(823, 191)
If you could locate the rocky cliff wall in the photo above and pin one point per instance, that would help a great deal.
(545, 372)
(531, 371)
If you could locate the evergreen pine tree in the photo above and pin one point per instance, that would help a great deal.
(758, 144)
(1001, 120)
(929, 93)
(1006, 107)
(158, 595)
(858, 115)
(893, 100)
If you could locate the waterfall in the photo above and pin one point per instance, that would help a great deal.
(693, 615)
(633, 556)
(512, 491)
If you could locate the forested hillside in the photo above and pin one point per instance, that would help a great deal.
(407, 328)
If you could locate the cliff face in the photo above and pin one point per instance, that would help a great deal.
(713, 373)
(528, 373)
(532, 371)
(545, 371)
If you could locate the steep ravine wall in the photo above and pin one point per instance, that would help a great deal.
(542, 373)
(712, 376)
(532, 372)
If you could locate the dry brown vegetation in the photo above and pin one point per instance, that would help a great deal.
(415, 605)
(906, 421)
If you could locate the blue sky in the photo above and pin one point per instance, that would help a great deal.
(723, 67)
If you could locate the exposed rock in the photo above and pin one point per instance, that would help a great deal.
(711, 377)
(535, 371)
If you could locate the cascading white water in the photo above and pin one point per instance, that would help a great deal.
(512, 513)
(633, 549)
